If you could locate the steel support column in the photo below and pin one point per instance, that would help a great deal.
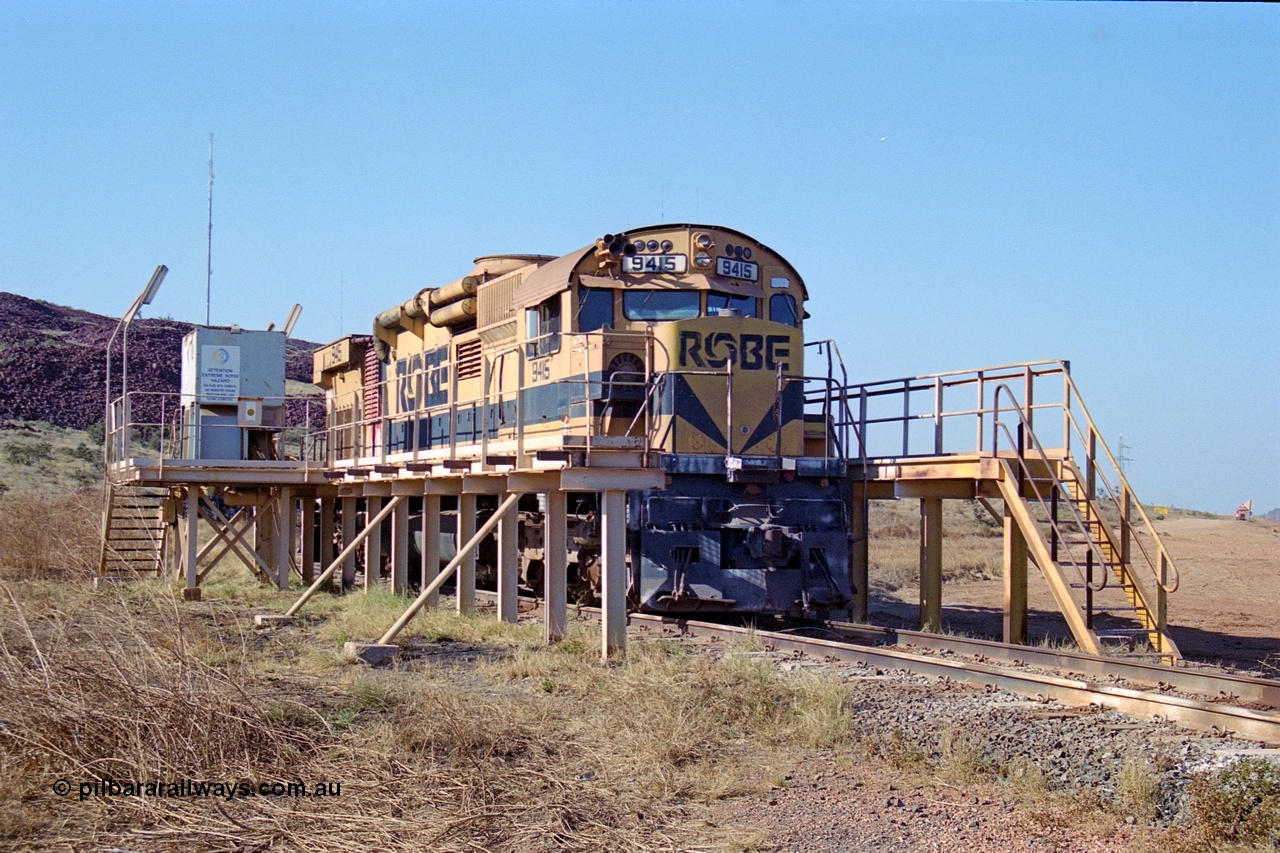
(613, 607)
(348, 536)
(465, 549)
(264, 540)
(466, 581)
(282, 552)
(1015, 580)
(400, 548)
(931, 564)
(373, 544)
(509, 565)
(860, 557)
(190, 540)
(348, 549)
(326, 551)
(431, 546)
(555, 575)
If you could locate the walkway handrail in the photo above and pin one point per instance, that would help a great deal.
(170, 431)
(1019, 446)
(1093, 439)
(1076, 425)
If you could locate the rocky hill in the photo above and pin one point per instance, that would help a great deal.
(53, 361)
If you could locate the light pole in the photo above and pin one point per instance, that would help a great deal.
(144, 298)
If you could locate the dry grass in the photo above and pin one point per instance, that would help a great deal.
(960, 755)
(682, 725)
(1138, 789)
(1238, 804)
(506, 745)
(44, 535)
(971, 546)
(120, 688)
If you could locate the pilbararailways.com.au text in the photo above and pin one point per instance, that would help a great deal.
(224, 790)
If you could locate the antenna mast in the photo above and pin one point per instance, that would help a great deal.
(208, 281)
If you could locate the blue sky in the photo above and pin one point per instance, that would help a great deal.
(960, 184)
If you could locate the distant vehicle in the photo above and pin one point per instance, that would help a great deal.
(1244, 512)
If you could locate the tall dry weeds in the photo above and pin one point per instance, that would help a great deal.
(45, 535)
(133, 686)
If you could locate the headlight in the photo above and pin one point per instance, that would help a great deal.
(653, 245)
(702, 259)
(667, 246)
(703, 241)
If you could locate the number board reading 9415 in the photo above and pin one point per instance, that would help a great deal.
(655, 263)
(737, 269)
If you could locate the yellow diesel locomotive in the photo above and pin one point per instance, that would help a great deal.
(677, 347)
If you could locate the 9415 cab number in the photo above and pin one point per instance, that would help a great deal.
(737, 269)
(655, 263)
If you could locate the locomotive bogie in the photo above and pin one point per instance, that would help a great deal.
(708, 545)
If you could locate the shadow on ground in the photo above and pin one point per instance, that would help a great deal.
(1047, 627)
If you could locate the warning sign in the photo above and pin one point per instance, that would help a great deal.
(219, 375)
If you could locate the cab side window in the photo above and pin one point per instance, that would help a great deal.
(782, 309)
(542, 328)
(595, 309)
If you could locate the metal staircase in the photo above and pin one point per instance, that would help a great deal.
(1114, 541)
(133, 532)
(1111, 583)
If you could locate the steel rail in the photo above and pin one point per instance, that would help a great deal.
(1232, 686)
(1198, 714)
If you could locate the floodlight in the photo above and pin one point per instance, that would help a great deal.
(293, 319)
(157, 278)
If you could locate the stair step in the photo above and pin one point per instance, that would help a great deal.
(1078, 585)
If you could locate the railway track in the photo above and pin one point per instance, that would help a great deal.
(1244, 707)
(1075, 680)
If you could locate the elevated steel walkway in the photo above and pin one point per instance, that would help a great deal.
(1022, 435)
(1015, 438)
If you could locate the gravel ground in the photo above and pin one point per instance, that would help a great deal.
(872, 808)
(948, 766)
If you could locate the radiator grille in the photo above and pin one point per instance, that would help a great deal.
(372, 389)
(494, 300)
(467, 357)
